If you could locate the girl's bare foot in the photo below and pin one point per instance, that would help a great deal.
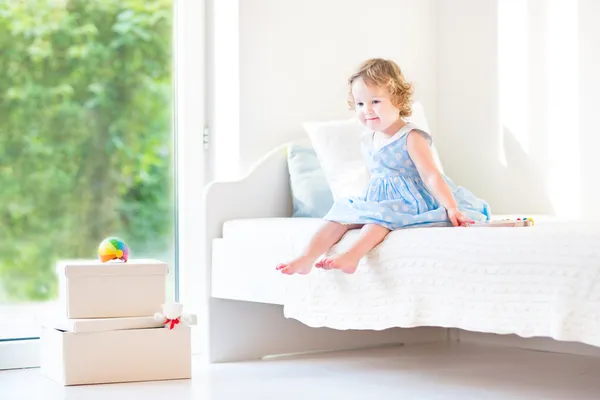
(347, 263)
(301, 265)
(323, 263)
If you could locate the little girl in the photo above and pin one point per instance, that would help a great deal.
(406, 188)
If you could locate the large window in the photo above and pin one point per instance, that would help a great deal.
(85, 142)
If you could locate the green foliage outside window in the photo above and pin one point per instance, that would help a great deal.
(85, 134)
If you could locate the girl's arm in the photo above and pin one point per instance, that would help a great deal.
(420, 153)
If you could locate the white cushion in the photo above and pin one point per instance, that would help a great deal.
(272, 229)
(338, 146)
(244, 260)
(301, 230)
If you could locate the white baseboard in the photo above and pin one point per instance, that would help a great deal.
(537, 344)
(19, 354)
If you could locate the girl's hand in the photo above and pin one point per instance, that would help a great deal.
(458, 218)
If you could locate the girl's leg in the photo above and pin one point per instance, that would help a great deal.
(326, 237)
(370, 236)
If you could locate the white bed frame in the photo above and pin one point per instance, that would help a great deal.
(247, 329)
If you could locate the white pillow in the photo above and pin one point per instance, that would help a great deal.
(338, 147)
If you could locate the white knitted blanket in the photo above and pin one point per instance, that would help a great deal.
(538, 281)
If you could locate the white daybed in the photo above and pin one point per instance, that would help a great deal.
(431, 284)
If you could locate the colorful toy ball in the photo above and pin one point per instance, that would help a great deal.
(113, 249)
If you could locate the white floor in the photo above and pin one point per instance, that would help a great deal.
(423, 372)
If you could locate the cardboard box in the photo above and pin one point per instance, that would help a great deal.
(114, 350)
(91, 289)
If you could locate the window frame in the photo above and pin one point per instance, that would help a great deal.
(190, 160)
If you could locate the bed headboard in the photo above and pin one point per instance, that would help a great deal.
(264, 192)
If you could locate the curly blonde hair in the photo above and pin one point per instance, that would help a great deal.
(384, 73)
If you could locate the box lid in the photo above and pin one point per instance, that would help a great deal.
(105, 324)
(72, 268)
(101, 324)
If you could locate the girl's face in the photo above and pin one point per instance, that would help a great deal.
(374, 107)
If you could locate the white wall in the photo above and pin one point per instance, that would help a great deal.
(278, 63)
(509, 86)
(518, 93)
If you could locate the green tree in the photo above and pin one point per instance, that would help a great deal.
(85, 134)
